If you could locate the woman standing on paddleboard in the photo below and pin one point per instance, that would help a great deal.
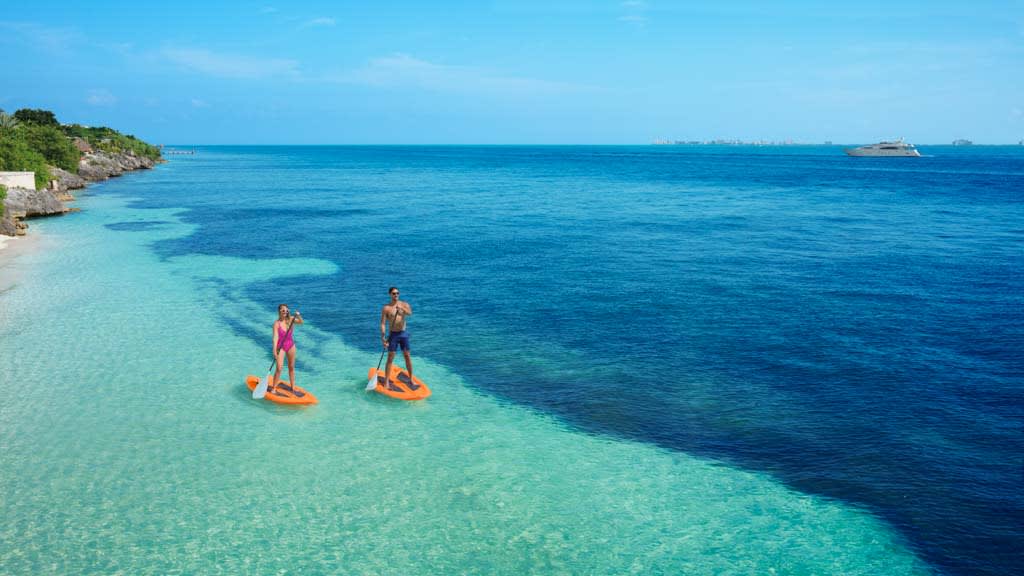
(284, 344)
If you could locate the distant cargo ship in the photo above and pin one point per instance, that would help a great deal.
(895, 148)
(962, 142)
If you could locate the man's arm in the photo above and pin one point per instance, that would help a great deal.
(405, 308)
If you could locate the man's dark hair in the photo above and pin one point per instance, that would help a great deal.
(392, 289)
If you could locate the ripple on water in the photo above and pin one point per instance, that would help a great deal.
(132, 449)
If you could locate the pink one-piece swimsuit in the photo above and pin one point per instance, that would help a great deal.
(284, 339)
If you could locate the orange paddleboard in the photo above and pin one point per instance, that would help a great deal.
(283, 393)
(400, 386)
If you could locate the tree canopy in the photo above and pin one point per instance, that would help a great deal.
(38, 117)
(51, 142)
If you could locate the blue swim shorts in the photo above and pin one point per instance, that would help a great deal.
(396, 339)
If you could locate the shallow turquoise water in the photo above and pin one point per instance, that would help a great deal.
(131, 446)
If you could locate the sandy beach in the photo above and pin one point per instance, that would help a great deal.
(11, 250)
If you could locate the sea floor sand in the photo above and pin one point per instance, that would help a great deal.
(134, 438)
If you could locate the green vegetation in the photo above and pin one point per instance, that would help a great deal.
(3, 194)
(33, 140)
(16, 155)
(110, 140)
(37, 117)
(51, 142)
(7, 122)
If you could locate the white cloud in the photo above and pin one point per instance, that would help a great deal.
(402, 70)
(635, 10)
(268, 10)
(100, 97)
(231, 65)
(32, 34)
(197, 103)
(322, 21)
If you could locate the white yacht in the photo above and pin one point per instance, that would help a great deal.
(895, 148)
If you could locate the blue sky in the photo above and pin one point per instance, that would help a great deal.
(521, 71)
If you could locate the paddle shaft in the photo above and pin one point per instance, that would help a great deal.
(278, 347)
(385, 349)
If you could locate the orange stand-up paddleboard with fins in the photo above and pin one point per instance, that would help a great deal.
(283, 393)
(400, 386)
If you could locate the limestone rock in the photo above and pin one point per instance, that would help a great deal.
(7, 225)
(101, 165)
(98, 166)
(22, 202)
(95, 165)
(66, 180)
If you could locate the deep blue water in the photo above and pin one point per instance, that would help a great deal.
(853, 326)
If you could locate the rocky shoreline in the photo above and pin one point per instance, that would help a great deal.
(94, 166)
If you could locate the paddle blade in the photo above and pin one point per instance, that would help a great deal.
(261, 389)
(371, 384)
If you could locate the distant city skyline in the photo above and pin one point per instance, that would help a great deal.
(508, 72)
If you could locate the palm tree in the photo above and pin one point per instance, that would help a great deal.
(7, 122)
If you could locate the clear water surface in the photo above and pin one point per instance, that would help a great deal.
(644, 360)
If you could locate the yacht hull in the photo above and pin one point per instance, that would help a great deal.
(877, 152)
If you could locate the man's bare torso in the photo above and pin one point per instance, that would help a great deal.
(397, 324)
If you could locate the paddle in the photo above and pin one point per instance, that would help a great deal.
(261, 389)
(372, 382)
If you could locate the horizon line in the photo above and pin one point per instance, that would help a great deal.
(684, 145)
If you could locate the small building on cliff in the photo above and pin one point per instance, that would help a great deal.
(82, 145)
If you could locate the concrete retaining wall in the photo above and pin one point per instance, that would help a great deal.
(18, 179)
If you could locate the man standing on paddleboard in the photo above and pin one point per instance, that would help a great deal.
(395, 312)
